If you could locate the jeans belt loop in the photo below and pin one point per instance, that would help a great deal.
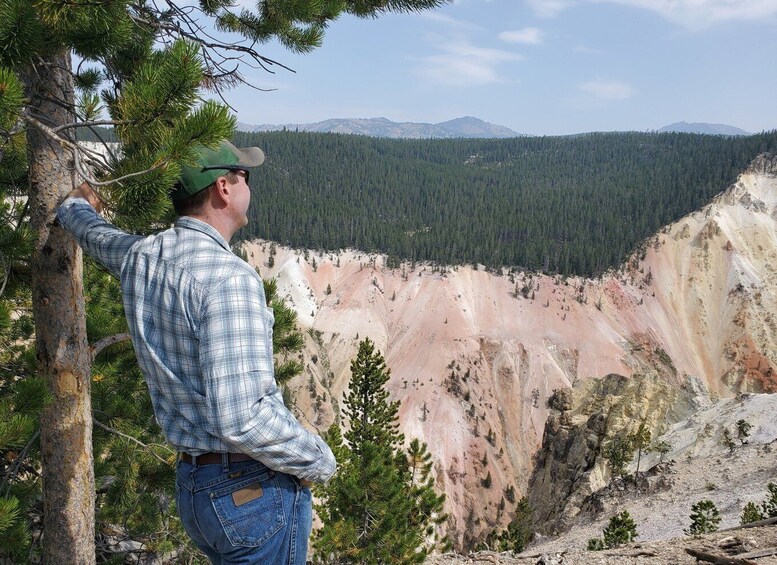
(225, 462)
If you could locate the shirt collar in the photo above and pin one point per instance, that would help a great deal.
(198, 225)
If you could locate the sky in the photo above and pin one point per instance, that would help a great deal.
(538, 67)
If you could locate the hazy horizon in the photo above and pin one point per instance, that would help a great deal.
(538, 67)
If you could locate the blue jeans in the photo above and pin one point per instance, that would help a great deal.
(244, 513)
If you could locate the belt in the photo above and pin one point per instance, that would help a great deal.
(214, 458)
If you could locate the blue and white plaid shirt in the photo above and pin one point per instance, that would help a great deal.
(203, 337)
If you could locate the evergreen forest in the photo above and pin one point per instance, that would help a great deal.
(571, 205)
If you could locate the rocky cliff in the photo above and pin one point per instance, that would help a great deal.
(475, 356)
(571, 467)
(706, 458)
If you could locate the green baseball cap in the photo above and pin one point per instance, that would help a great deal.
(212, 164)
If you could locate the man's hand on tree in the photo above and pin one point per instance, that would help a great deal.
(87, 193)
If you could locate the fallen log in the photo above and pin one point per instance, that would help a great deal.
(717, 559)
(639, 553)
(767, 522)
(765, 552)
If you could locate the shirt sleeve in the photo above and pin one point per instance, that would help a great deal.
(103, 241)
(245, 406)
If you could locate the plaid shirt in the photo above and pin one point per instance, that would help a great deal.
(202, 333)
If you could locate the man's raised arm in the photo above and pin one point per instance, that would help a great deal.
(79, 214)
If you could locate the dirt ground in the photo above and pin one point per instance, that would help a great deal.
(725, 544)
(730, 479)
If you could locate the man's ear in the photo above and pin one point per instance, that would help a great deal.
(221, 192)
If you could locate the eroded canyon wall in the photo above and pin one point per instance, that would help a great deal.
(476, 355)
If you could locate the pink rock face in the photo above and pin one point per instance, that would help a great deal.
(473, 361)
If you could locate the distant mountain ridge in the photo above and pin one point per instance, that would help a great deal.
(700, 127)
(466, 126)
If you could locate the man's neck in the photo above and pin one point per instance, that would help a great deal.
(216, 222)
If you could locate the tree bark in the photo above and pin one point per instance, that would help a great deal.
(60, 328)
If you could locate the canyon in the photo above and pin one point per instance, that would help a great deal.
(475, 356)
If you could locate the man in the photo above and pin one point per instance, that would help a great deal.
(203, 337)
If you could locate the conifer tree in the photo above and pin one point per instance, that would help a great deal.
(705, 518)
(743, 430)
(372, 417)
(134, 467)
(286, 338)
(750, 513)
(428, 510)
(518, 533)
(769, 505)
(152, 64)
(380, 507)
(22, 395)
(619, 453)
(661, 447)
(619, 530)
(640, 440)
(334, 439)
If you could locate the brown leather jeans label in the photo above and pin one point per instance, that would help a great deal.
(251, 492)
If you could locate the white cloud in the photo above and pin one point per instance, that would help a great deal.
(692, 14)
(588, 50)
(549, 8)
(449, 21)
(606, 90)
(463, 64)
(696, 14)
(528, 36)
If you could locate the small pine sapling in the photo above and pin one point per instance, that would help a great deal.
(705, 518)
(621, 529)
(769, 505)
(743, 430)
(750, 514)
(662, 448)
(619, 453)
(595, 544)
(727, 440)
(640, 440)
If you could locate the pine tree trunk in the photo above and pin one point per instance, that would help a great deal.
(60, 329)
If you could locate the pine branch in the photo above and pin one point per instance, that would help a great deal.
(67, 144)
(79, 151)
(87, 124)
(13, 468)
(146, 447)
(97, 348)
(96, 158)
(196, 33)
(6, 272)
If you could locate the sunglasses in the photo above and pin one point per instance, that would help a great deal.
(233, 169)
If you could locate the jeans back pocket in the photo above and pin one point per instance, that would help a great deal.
(250, 509)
